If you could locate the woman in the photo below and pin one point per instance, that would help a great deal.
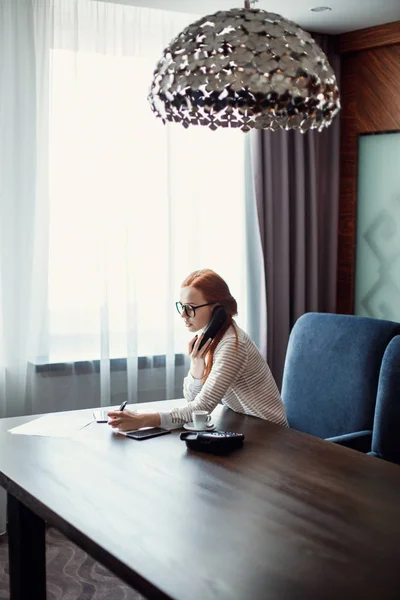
(228, 368)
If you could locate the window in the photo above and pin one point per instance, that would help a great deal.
(134, 207)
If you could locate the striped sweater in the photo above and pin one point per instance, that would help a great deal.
(239, 377)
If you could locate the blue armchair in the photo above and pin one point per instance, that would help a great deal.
(386, 429)
(331, 375)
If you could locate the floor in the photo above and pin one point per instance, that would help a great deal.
(71, 573)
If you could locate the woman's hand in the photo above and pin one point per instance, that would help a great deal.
(127, 420)
(197, 356)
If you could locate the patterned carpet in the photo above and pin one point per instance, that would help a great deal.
(71, 573)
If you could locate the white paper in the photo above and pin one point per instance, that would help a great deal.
(53, 426)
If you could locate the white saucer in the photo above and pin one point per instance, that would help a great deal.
(191, 427)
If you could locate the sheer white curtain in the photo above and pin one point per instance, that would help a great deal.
(104, 210)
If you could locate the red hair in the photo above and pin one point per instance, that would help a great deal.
(214, 289)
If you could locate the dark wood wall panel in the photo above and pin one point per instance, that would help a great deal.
(348, 191)
(378, 96)
(364, 39)
(370, 93)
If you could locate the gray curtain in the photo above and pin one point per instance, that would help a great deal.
(296, 185)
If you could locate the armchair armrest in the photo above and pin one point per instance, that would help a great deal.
(372, 453)
(358, 440)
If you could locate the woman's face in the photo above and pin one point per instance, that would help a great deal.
(193, 296)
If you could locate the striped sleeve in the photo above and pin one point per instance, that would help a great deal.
(228, 364)
(191, 387)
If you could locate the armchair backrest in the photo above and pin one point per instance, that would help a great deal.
(386, 431)
(331, 372)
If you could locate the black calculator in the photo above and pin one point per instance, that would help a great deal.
(215, 442)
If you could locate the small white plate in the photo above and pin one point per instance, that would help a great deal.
(190, 427)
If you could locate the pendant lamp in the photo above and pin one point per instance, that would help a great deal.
(245, 68)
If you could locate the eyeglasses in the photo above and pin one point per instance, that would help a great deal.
(189, 309)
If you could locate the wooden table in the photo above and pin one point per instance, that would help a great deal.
(286, 517)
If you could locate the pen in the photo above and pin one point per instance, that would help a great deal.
(121, 408)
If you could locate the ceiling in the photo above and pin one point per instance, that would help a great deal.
(346, 15)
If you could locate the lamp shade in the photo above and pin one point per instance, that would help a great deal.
(245, 68)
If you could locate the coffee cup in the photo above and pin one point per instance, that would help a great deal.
(200, 419)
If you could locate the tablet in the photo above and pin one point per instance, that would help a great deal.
(145, 434)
